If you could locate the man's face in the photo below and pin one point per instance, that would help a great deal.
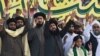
(12, 26)
(18, 12)
(20, 23)
(52, 27)
(96, 29)
(78, 43)
(79, 30)
(71, 29)
(62, 25)
(39, 20)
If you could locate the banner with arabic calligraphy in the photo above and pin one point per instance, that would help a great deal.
(60, 8)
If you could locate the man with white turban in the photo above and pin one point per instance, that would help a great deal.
(92, 35)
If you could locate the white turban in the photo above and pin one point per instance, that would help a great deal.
(96, 22)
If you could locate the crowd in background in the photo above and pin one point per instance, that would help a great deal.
(41, 35)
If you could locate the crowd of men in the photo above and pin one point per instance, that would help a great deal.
(46, 36)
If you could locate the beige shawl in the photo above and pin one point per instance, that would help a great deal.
(24, 39)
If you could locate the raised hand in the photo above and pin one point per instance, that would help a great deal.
(90, 46)
(1, 24)
(49, 5)
(91, 18)
(73, 14)
(87, 16)
(36, 4)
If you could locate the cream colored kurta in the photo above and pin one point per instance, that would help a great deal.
(79, 52)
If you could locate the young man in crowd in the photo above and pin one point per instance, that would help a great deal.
(18, 13)
(9, 46)
(36, 36)
(14, 40)
(78, 48)
(53, 42)
(92, 34)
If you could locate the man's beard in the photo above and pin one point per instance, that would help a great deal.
(71, 31)
(96, 33)
(39, 25)
(19, 26)
(12, 29)
(54, 32)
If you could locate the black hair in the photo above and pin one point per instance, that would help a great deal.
(77, 37)
(53, 20)
(39, 14)
(19, 18)
(10, 20)
(18, 9)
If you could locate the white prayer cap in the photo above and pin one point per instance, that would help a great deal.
(96, 22)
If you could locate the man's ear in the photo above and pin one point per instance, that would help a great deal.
(35, 20)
